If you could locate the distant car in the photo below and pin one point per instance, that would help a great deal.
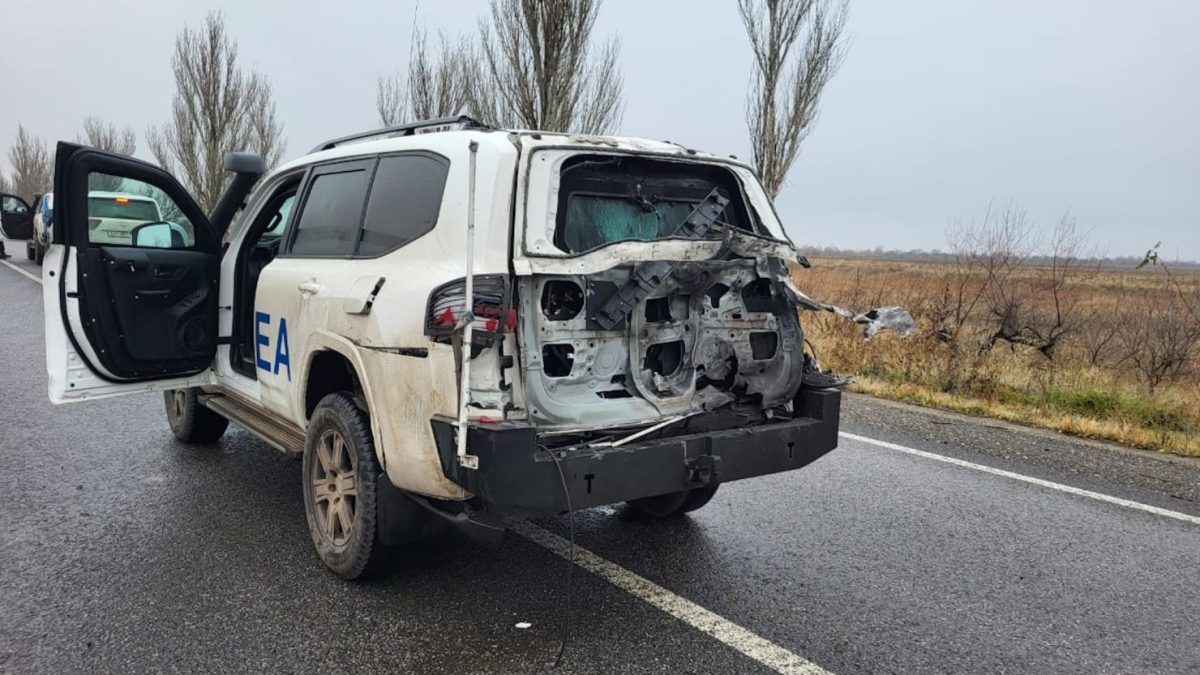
(113, 215)
(39, 241)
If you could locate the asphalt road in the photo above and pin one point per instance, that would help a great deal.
(123, 551)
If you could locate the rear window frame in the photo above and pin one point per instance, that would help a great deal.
(743, 211)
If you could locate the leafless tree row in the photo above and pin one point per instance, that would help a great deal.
(33, 164)
(533, 64)
(991, 294)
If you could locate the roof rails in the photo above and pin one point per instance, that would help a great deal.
(454, 123)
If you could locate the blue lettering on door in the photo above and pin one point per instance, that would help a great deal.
(281, 349)
(282, 352)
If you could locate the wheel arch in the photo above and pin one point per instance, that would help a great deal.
(332, 365)
(329, 372)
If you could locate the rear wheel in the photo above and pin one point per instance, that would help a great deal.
(673, 504)
(340, 477)
(190, 421)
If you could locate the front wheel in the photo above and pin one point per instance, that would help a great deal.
(39, 253)
(340, 477)
(673, 504)
(190, 421)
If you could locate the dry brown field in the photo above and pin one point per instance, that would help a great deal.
(1090, 350)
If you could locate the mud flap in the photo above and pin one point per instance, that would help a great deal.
(399, 518)
(403, 518)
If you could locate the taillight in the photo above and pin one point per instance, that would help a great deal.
(494, 314)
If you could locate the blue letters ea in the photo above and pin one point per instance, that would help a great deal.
(282, 352)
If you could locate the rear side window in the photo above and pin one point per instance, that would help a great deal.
(406, 196)
(332, 211)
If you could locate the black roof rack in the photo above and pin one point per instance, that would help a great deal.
(453, 123)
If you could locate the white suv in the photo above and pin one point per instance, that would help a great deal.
(632, 334)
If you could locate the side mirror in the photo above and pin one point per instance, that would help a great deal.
(159, 235)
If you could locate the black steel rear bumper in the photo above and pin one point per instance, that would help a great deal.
(517, 476)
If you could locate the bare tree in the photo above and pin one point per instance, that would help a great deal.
(798, 48)
(535, 68)
(218, 108)
(32, 167)
(391, 100)
(1160, 338)
(106, 136)
(435, 86)
(4, 183)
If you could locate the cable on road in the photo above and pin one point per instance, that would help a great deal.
(562, 647)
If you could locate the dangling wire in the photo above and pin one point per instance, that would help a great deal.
(562, 648)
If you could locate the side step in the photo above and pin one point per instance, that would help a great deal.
(283, 435)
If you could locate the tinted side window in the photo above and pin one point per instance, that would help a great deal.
(332, 211)
(406, 196)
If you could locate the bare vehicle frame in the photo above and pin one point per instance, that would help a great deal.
(632, 333)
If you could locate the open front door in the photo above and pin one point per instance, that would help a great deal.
(16, 218)
(130, 286)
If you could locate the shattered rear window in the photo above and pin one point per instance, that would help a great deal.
(604, 199)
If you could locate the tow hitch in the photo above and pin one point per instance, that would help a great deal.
(703, 471)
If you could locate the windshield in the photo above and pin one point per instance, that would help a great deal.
(605, 199)
(123, 207)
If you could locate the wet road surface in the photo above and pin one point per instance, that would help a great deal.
(124, 551)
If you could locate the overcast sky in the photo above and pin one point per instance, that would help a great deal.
(942, 106)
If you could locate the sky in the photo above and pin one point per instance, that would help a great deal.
(941, 108)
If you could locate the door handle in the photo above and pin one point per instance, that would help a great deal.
(309, 288)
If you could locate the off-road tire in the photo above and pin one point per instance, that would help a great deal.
(674, 504)
(190, 421)
(356, 553)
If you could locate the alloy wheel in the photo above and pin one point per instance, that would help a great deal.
(335, 493)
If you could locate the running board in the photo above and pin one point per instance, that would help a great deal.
(279, 433)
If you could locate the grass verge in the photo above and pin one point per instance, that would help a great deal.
(1088, 414)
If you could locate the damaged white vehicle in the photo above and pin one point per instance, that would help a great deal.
(632, 334)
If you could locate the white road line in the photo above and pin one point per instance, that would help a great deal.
(754, 646)
(21, 271)
(1028, 479)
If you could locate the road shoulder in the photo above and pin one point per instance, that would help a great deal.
(1165, 480)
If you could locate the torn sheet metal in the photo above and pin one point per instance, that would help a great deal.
(875, 320)
(894, 318)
